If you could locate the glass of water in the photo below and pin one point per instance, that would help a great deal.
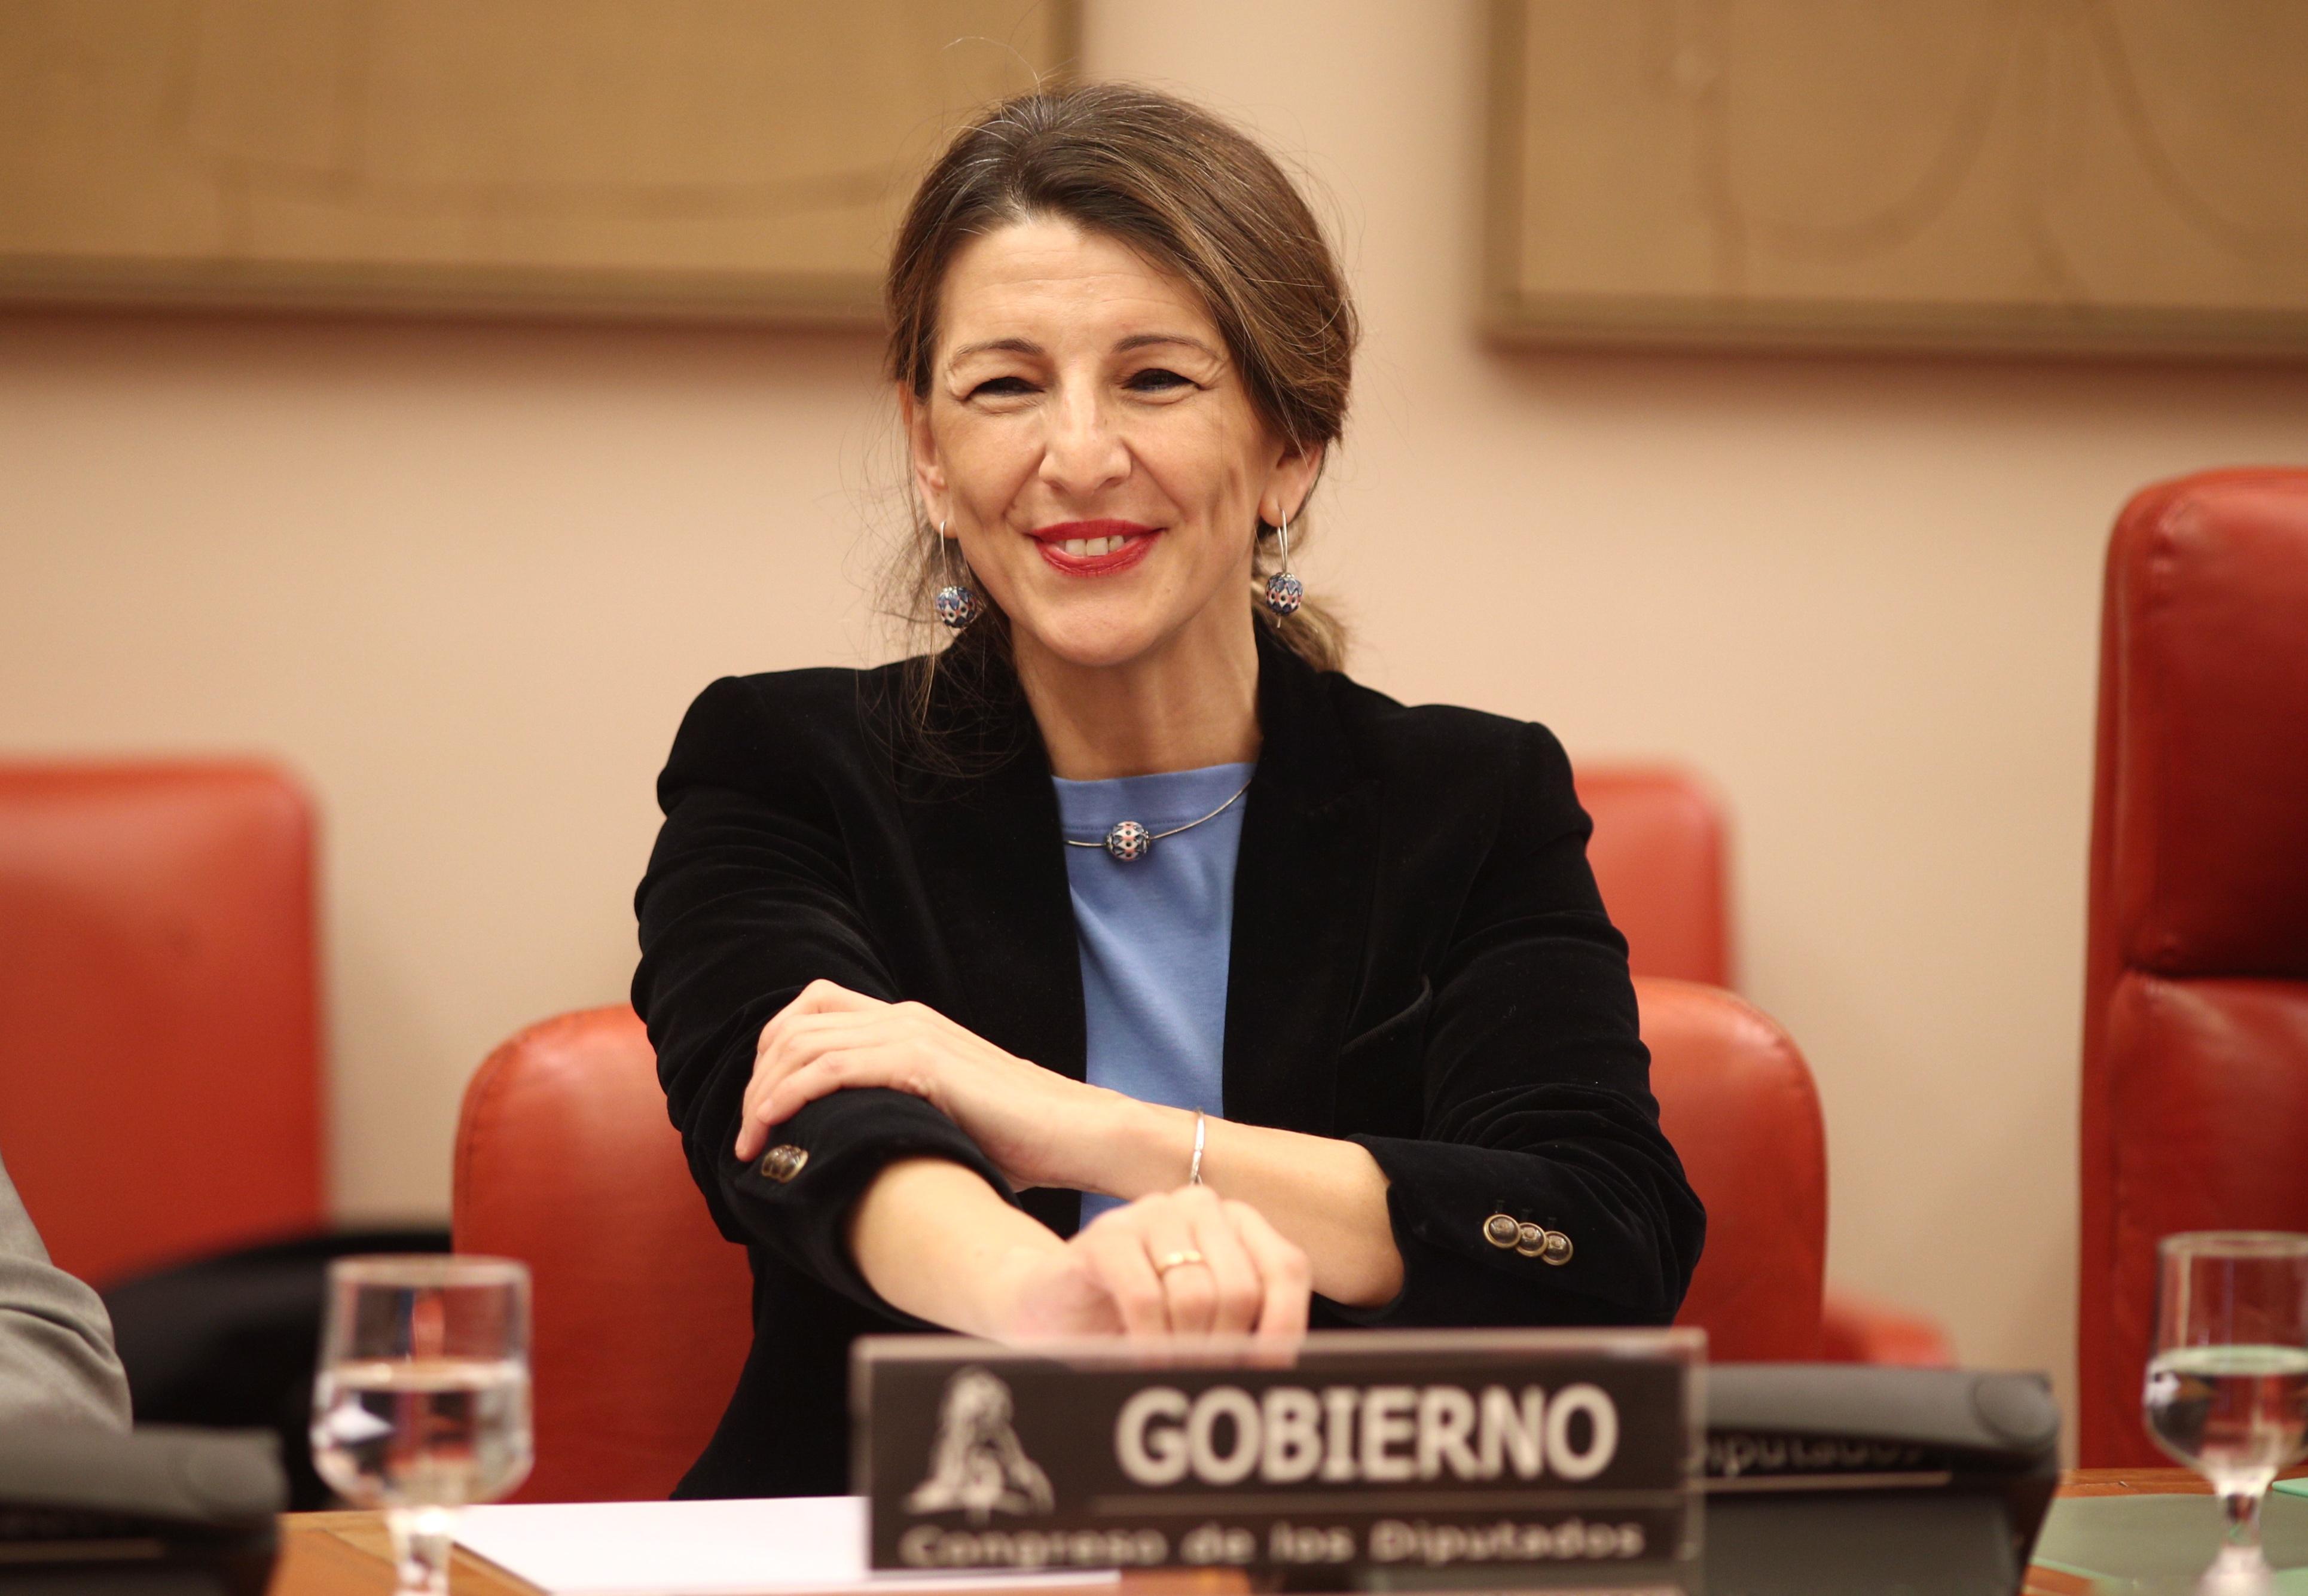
(422, 1401)
(2227, 1388)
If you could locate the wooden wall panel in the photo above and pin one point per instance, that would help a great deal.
(2107, 176)
(726, 157)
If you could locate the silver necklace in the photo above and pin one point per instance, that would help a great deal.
(1130, 841)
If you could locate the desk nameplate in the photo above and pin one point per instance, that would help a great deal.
(1421, 1454)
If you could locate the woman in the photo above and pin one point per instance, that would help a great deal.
(1123, 969)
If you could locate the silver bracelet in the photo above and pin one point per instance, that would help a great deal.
(1194, 1169)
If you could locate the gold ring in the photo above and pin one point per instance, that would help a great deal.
(1179, 1260)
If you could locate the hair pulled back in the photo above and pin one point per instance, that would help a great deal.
(1193, 196)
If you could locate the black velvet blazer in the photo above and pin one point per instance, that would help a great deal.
(1421, 963)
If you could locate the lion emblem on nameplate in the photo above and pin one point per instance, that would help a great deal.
(977, 1465)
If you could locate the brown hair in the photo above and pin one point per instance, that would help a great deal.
(1194, 195)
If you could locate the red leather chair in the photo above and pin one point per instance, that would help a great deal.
(2195, 1065)
(159, 1033)
(1736, 1099)
(564, 1159)
(1661, 857)
(642, 1313)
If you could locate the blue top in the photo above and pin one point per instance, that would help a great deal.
(1155, 934)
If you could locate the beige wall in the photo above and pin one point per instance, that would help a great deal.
(464, 578)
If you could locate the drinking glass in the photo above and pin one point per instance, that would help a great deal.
(2227, 1388)
(422, 1401)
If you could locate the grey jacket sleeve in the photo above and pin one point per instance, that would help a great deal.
(56, 1360)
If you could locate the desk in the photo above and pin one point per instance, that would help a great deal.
(346, 1553)
(2102, 1482)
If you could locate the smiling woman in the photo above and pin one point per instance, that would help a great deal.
(1227, 288)
(1123, 969)
(1110, 389)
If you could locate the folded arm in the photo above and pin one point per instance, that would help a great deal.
(746, 901)
(1534, 1092)
(1525, 1061)
(754, 949)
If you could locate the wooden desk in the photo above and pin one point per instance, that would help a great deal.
(346, 1553)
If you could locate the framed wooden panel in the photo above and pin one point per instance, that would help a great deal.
(2110, 175)
(739, 159)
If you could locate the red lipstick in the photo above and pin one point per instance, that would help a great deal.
(1051, 541)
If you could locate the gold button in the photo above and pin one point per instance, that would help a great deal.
(1501, 1231)
(783, 1162)
(1528, 1239)
(1556, 1248)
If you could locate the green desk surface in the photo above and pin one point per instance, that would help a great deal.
(2160, 1544)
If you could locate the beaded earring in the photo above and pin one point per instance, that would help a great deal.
(1284, 591)
(957, 602)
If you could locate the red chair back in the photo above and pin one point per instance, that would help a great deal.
(566, 1159)
(160, 1028)
(1659, 856)
(2195, 1070)
(1736, 1099)
(642, 1312)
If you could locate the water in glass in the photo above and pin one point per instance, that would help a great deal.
(2233, 1413)
(435, 1432)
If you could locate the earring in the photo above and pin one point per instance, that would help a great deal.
(957, 602)
(1284, 591)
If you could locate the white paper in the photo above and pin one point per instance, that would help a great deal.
(763, 1546)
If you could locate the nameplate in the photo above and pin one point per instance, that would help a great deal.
(1548, 1453)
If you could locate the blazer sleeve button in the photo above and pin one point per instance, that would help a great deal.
(1529, 1239)
(783, 1162)
(1556, 1248)
(1501, 1231)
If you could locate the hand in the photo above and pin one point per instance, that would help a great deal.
(1229, 1273)
(1035, 1124)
